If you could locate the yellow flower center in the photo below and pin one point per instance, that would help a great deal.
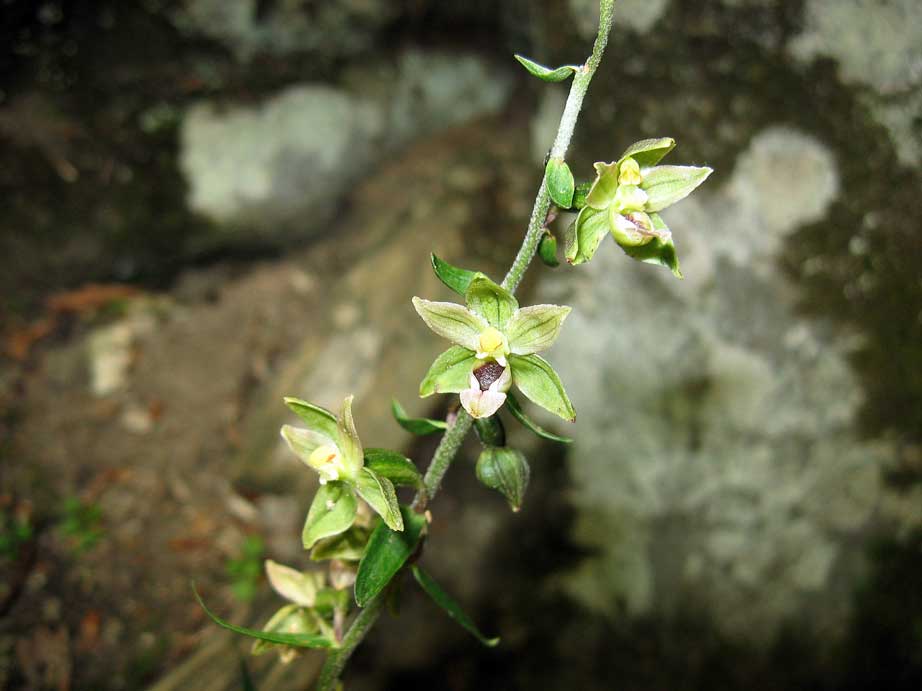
(630, 173)
(491, 340)
(323, 456)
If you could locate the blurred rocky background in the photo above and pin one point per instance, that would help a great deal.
(208, 204)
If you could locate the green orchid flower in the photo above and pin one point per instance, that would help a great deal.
(331, 446)
(625, 199)
(496, 346)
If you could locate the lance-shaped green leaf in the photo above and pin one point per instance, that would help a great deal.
(347, 546)
(453, 321)
(591, 227)
(560, 182)
(649, 152)
(452, 276)
(535, 328)
(490, 301)
(297, 640)
(290, 619)
(519, 414)
(505, 470)
(450, 606)
(450, 373)
(547, 249)
(657, 251)
(317, 418)
(416, 425)
(386, 553)
(604, 187)
(379, 492)
(535, 378)
(666, 185)
(331, 513)
(547, 74)
(394, 466)
(295, 586)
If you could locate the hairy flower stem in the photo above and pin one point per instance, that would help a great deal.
(452, 439)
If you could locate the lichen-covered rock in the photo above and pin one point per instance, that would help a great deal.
(716, 460)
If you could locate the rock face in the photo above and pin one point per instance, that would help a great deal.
(715, 460)
(287, 162)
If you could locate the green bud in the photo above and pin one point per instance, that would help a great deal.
(547, 250)
(490, 430)
(506, 471)
(560, 183)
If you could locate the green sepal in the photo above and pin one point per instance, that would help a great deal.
(535, 328)
(332, 512)
(505, 470)
(666, 185)
(449, 605)
(560, 182)
(452, 276)
(490, 430)
(450, 373)
(379, 493)
(350, 445)
(547, 74)
(317, 419)
(457, 323)
(649, 152)
(396, 467)
(296, 640)
(347, 546)
(591, 227)
(604, 187)
(535, 378)
(547, 249)
(516, 409)
(657, 251)
(386, 553)
(491, 301)
(416, 425)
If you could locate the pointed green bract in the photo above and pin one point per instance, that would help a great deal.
(379, 492)
(505, 470)
(649, 152)
(386, 553)
(349, 443)
(592, 225)
(452, 276)
(535, 378)
(449, 605)
(453, 321)
(535, 328)
(450, 373)
(317, 419)
(512, 403)
(491, 301)
(416, 425)
(547, 74)
(666, 185)
(394, 466)
(560, 183)
(297, 640)
(332, 512)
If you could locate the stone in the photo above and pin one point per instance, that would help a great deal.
(716, 459)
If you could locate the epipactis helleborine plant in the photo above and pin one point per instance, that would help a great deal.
(496, 346)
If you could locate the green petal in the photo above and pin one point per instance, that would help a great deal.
(666, 185)
(490, 301)
(449, 606)
(452, 321)
(416, 425)
(332, 512)
(450, 373)
(386, 553)
(379, 492)
(539, 382)
(535, 328)
(347, 546)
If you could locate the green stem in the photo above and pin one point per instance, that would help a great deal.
(453, 438)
